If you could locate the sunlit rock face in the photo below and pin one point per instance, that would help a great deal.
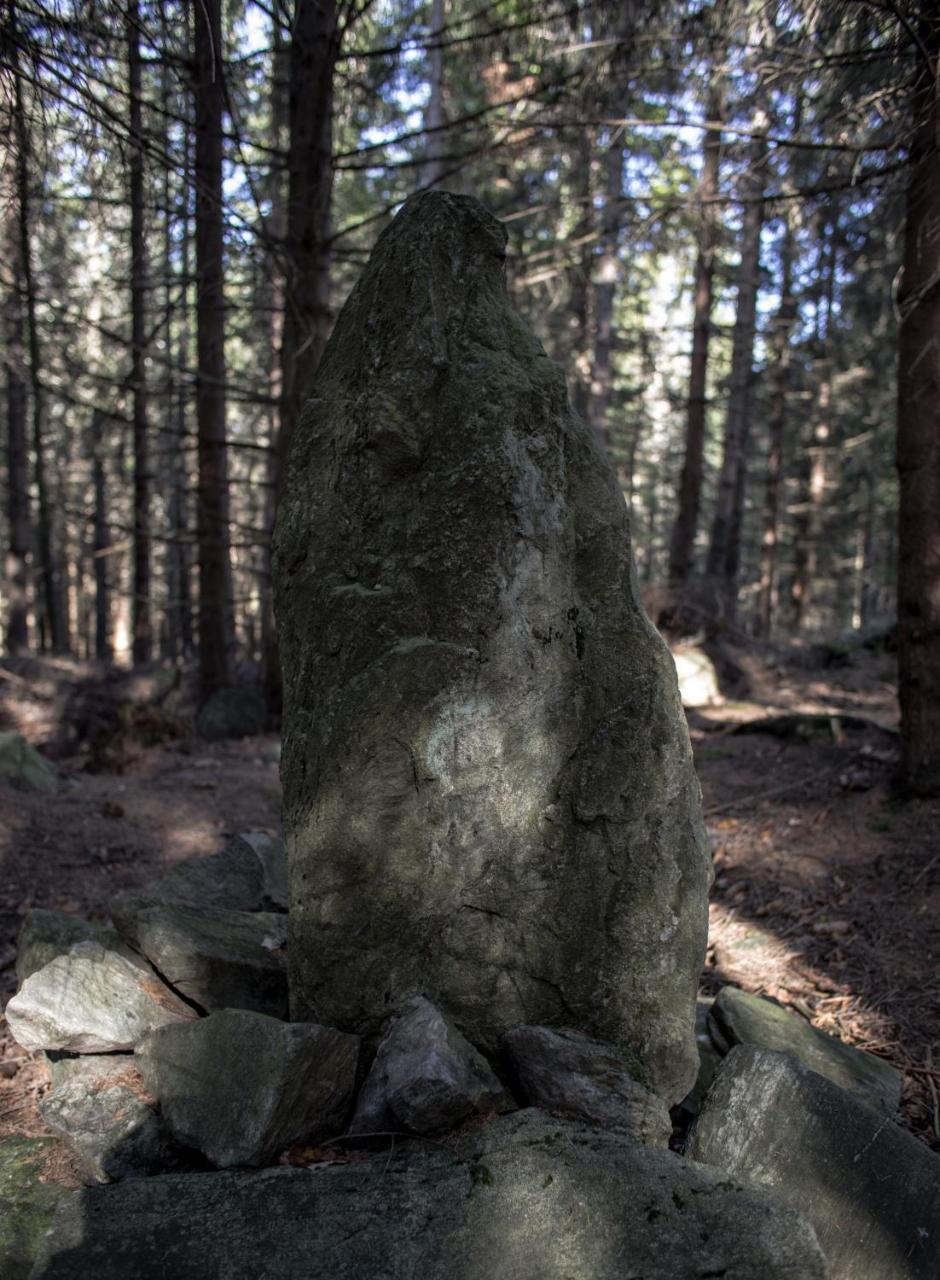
(488, 786)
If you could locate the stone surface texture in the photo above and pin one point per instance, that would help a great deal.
(871, 1191)
(570, 1074)
(91, 1000)
(241, 1087)
(232, 879)
(489, 791)
(739, 1018)
(232, 713)
(217, 958)
(112, 1129)
(525, 1198)
(27, 1202)
(709, 1058)
(46, 934)
(426, 1077)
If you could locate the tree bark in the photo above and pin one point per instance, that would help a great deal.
(313, 53)
(682, 545)
(780, 343)
(212, 502)
(141, 646)
(433, 169)
(918, 451)
(104, 650)
(18, 546)
(723, 550)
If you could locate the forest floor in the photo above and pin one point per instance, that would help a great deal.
(827, 887)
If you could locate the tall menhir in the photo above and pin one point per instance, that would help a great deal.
(488, 786)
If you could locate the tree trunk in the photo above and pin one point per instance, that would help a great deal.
(313, 53)
(433, 170)
(104, 651)
(918, 452)
(212, 503)
(17, 558)
(272, 300)
(780, 343)
(682, 546)
(141, 624)
(723, 551)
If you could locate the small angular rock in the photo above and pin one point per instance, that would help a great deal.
(426, 1077)
(525, 1197)
(93, 1068)
(23, 767)
(91, 1000)
(739, 1018)
(871, 1191)
(113, 1130)
(270, 852)
(217, 958)
(240, 1086)
(709, 1058)
(46, 934)
(233, 878)
(232, 713)
(569, 1074)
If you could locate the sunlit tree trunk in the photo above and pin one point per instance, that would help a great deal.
(103, 646)
(212, 501)
(690, 484)
(141, 623)
(918, 451)
(723, 550)
(17, 478)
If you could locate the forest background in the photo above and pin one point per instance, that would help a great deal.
(706, 206)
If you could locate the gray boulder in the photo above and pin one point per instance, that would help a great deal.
(23, 767)
(524, 1198)
(271, 854)
(219, 959)
(28, 1200)
(709, 1058)
(739, 1018)
(93, 1068)
(46, 934)
(569, 1074)
(112, 1129)
(489, 795)
(91, 1000)
(426, 1077)
(232, 713)
(871, 1191)
(233, 879)
(240, 1086)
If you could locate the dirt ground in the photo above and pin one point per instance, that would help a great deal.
(827, 887)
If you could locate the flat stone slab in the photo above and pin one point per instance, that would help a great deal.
(572, 1075)
(241, 1087)
(739, 1018)
(426, 1077)
(91, 1000)
(233, 878)
(525, 1197)
(44, 935)
(110, 1126)
(28, 1201)
(871, 1191)
(217, 958)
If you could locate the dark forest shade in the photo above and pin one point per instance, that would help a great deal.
(489, 794)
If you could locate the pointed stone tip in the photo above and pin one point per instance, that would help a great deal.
(447, 217)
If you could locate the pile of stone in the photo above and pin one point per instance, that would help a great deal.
(165, 1036)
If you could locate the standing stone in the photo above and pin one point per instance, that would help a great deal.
(489, 792)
